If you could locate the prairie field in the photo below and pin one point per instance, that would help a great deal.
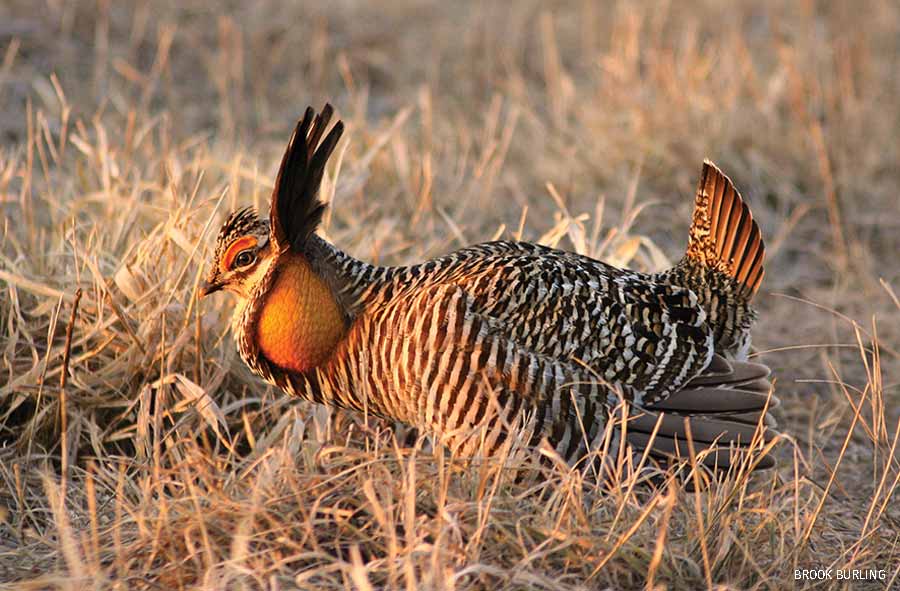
(138, 452)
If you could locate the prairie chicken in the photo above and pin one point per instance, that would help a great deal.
(503, 340)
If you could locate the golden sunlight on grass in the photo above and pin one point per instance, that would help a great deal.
(136, 451)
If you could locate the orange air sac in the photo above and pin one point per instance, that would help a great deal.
(300, 323)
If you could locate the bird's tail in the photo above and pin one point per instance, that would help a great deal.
(724, 236)
(723, 263)
(724, 409)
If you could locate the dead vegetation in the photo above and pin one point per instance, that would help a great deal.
(156, 461)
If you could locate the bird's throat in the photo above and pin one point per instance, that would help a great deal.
(300, 322)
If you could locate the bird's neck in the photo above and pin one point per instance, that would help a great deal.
(300, 321)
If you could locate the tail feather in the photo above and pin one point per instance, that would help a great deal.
(724, 409)
(724, 400)
(723, 262)
(724, 236)
(739, 372)
(752, 418)
(762, 385)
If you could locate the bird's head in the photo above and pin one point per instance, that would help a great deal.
(242, 255)
(247, 245)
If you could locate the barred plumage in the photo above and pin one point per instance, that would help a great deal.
(504, 337)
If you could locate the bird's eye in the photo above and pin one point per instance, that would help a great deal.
(244, 258)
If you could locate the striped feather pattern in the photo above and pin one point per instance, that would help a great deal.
(498, 338)
(507, 342)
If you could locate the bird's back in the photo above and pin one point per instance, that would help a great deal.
(629, 329)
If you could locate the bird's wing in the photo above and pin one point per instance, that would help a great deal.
(469, 383)
(643, 336)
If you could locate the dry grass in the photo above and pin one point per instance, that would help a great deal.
(157, 461)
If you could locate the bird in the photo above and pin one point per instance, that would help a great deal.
(506, 343)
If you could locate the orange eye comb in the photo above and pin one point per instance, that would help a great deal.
(236, 247)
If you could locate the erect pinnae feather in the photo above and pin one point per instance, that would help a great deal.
(296, 210)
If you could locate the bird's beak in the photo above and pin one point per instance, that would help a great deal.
(209, 287)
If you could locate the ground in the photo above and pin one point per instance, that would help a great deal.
(130, 129)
